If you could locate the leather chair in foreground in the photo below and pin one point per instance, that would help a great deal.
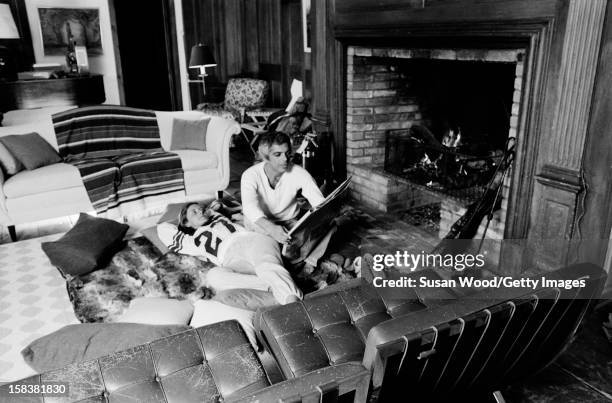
(213, 363)
(431, 347)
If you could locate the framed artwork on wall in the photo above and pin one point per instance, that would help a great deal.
(306, 25)
(58, 25)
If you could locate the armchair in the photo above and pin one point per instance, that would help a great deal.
(241, 95)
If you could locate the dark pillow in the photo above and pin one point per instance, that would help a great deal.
(90, 244)
(10, 165)
(189, 134)
(246, 298)
(87, 341)
(31, 150)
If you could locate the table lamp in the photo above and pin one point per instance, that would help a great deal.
(8, 30)
(201, 57)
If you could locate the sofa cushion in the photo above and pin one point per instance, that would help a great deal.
(157, 311)
(207, 312)
(9, 164)
(82, 342)
(189, 134)
(332, 326)
(31, 150)
(87, 246)
(194, 160)
(213, 364)
(44, 179)
(165, 120)
(246, 298)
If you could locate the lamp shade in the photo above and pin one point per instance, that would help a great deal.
(8, 29)
(201, 56)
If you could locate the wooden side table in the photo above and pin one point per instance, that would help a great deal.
(31, 94)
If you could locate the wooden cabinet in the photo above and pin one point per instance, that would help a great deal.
(29, 94)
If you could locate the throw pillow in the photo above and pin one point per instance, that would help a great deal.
(158, 311)
(189, 134)
(9, 164)
(31, 150)
(90, 244)
(82, 342)
(207, 312)
(246, 298)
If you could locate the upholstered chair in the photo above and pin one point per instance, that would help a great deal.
(241, 96)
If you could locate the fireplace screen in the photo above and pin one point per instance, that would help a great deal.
(448, 166)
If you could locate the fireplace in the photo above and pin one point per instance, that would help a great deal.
(426, 127)
(560, 184)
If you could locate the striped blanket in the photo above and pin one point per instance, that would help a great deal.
(118, 153)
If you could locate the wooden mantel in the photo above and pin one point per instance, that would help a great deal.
(557, 193)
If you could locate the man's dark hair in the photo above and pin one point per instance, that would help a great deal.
(268, 139)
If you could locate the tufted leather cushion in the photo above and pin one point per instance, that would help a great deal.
(331, 327)
(199, 365)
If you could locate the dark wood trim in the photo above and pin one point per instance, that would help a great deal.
(174, 70)
(338, 110)
(322, 55)
(534, 85)
(594, 221)
(390, 14)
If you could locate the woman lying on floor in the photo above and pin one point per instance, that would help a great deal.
(245, 259)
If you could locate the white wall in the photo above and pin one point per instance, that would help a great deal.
(101, 64)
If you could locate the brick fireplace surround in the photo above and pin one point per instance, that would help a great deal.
(377, 101)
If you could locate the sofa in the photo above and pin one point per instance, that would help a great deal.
(57, 190)
(353, 340)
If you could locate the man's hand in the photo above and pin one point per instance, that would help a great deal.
(279, 233)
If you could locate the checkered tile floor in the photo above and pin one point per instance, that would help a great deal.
(33, 303)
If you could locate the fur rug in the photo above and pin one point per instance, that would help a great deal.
(139, 270)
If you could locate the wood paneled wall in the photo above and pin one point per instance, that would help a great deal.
(249, 38)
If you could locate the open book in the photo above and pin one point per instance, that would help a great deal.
(313, 225)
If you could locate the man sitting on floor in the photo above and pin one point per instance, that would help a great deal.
(270, 191)
(247, 259)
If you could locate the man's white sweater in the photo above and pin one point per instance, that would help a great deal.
(279, 203)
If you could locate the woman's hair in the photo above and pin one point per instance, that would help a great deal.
(182, 218)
